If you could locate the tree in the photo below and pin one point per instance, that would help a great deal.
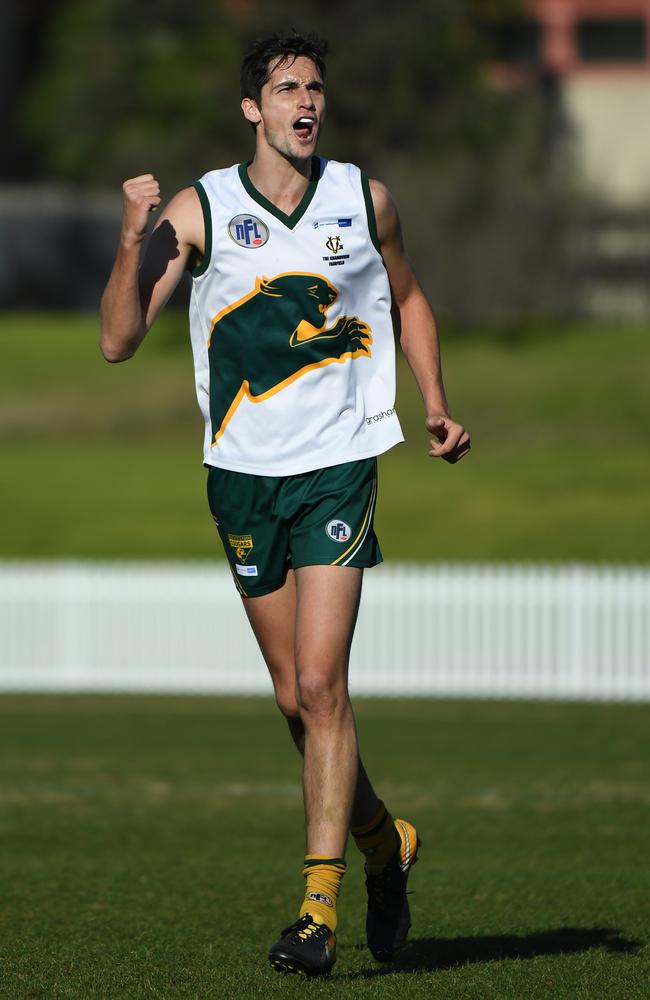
(154, 86)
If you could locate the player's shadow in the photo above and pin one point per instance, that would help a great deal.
(162, 249)
(422, 954)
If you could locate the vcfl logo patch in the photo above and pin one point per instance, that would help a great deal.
(338, 531)
(248, 231)
(334, 244)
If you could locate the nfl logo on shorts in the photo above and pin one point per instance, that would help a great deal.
(338, 531)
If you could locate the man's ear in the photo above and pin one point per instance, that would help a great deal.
(251, 111)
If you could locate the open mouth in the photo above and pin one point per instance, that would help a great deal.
(304, 127)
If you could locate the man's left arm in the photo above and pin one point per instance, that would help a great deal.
(418, 334)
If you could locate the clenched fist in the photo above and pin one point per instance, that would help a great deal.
(141, 196)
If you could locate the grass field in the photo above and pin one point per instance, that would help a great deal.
(151, 848)
(105, 461)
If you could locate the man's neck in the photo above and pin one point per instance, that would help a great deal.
(283, 182)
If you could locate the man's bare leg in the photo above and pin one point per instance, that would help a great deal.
(305, 632)
(273, 620)
(366, 801)
(327, 602)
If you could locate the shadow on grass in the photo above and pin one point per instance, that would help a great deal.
(428, 954)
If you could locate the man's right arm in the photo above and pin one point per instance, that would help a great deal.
(136, 292)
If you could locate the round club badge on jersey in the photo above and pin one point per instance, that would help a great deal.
(248, 231)
(338, 531)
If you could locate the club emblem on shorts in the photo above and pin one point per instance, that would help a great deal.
(241, 545)
(338, 531)
(248, 231)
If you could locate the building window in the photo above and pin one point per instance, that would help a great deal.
(515, 41)
(605, 40)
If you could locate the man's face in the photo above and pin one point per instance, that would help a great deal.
(291, 109)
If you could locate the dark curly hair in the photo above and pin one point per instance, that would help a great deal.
(262, 52)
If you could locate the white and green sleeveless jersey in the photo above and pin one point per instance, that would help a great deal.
(291, 326)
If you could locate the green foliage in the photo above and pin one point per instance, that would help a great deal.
(132, 88)
(102, 460)
(482, 178)
(402, 80)
(128, 88)
(152, 848)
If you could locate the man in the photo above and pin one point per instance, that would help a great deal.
(295, 262)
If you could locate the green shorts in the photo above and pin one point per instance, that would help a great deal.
(269, 524)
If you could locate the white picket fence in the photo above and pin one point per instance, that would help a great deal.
(578, 632)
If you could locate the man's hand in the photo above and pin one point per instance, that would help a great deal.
(141, 196)
(450, 440)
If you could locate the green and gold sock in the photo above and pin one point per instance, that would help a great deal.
(324, 876)
(377, 839)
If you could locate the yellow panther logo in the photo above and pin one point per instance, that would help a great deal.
(273, 335)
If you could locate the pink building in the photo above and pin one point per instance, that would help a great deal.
(575, 38)
(599, 51)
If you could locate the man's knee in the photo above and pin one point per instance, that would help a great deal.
(287, 702)
(320, 696)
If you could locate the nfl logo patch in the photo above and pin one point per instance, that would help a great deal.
(338, 531)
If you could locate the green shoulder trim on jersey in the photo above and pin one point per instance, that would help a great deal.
(370, 211)
(207, 223)
(290, 221)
